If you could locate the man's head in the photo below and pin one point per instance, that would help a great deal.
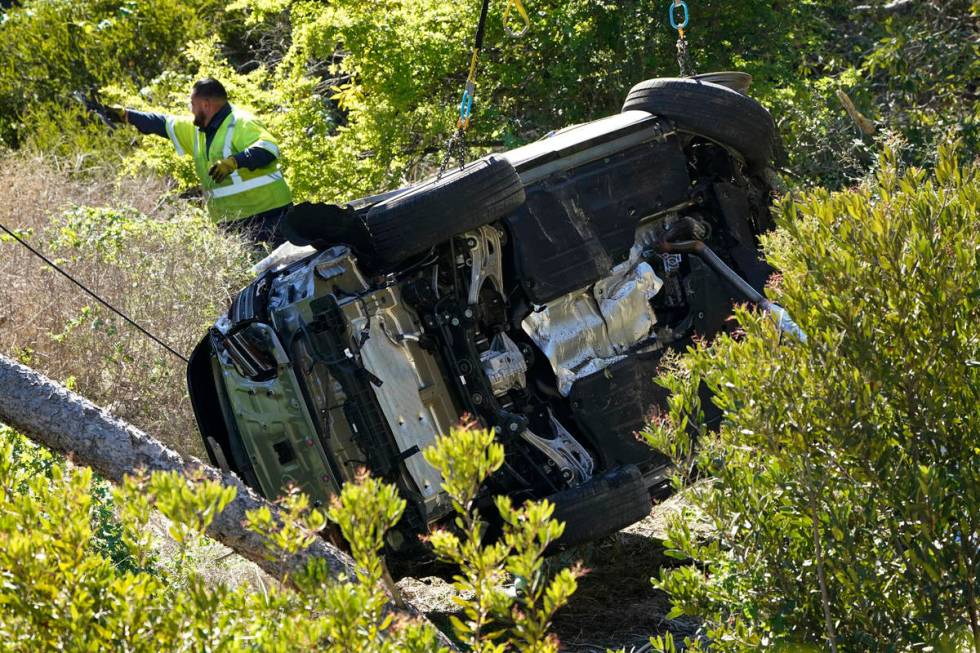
(207, 98)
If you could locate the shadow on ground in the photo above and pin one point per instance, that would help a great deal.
(615, 606)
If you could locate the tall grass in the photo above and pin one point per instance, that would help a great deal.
(131, 240)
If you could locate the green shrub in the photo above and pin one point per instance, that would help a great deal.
(364, 95)
(68, 136)
(845, 487)
(50, 48)
(493, 620)
(911, 70)
(36, 462)
(61, 590)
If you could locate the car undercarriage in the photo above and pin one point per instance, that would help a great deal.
(533, 292)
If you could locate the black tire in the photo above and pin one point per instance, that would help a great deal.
(424, 215)
(712, 111)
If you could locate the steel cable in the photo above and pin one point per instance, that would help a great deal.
(93, 294)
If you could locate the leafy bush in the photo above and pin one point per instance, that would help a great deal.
(493, 619)
(360, 109)
(61, 591)
(846, 474)
(67, 136)
(53, 47)
(365, 94)
(910, 67)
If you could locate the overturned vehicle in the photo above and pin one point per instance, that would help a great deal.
(534, 290)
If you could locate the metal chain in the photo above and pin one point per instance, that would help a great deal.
(455, 145)
(684, 58)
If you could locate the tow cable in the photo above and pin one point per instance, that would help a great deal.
(456, 145)
(93, 294)
(683, 58)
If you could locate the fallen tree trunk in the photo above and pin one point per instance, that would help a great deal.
(63, 421)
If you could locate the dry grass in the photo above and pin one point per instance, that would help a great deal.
(167, 268)
(215, 563)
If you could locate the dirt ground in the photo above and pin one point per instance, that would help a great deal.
(615, 606)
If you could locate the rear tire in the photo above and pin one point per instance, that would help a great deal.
(430, 213)
(712, 111)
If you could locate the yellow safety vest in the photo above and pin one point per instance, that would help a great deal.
(245, 192)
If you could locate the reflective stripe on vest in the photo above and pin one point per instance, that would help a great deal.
(243, 186)
(236, 184)
(173, 138)
(235, 177)
(267, 146)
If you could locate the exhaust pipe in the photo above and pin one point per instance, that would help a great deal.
(703, 252)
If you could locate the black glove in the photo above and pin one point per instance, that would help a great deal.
(115, 113)
(110, 116)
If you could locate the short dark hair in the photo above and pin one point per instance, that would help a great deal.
(209, 88)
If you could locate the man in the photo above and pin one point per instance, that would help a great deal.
(235, 157)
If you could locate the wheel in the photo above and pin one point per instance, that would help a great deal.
(424, 215)
(712, 111)
(733, 79)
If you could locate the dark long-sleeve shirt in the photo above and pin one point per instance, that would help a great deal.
(147, 122)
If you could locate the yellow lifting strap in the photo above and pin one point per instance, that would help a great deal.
(466, 104)
(522, 12)
(456, 143)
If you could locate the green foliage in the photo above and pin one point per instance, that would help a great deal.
(366, 94)
(294, 531)
(349, 613)
(67, 136)
(846, 473)
(364, 512)
(909, 71)
(363, 95)
(190, 504)
(62, 593)
(35, 462)
(50, 48)
(64, 589)
(493, 620)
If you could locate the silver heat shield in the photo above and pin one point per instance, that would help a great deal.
(586, 331)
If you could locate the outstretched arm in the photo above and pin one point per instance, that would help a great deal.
(147, 123)
(257, 147)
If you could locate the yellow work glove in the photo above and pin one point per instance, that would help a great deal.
(117, 114)
(221, 169)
